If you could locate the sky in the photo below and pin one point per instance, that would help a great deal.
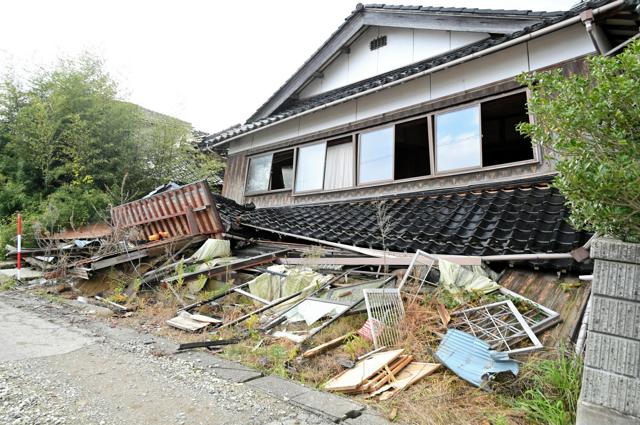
(210, 63)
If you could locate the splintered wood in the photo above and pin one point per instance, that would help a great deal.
(381, 375)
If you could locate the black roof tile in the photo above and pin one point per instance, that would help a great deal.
(515, 218)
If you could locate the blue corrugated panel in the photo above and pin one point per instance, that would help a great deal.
(471, 359)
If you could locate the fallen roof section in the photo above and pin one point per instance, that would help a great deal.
(515, 218)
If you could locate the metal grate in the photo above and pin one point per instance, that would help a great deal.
(385, 311)
(498, 324)
(418, 272)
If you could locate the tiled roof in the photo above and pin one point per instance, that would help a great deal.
(294, 107)
(529, 217)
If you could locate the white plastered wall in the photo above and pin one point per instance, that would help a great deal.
(404, 46)
(557, 47)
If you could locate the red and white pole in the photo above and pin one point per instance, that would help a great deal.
(19, 243)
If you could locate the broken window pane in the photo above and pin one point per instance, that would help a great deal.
(282, 170)
(310, 167)
(258, 175)
(339, 167)
(412, 149)
(458, 139)
(376, 155)
(501, 141)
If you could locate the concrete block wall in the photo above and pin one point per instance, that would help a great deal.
(611, 381)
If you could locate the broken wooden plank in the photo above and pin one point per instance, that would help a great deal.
(191, 322)
(205, 344)
(351, 379)
(411, 374)
(119, 259)
(226, 268)
(326, 346)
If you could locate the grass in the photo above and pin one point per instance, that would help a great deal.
(552, 389)
(8, 285)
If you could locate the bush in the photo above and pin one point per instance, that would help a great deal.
(590, 124)
(72, 206)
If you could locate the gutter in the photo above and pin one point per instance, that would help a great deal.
(501, 46)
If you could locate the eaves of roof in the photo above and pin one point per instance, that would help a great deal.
(295, 107)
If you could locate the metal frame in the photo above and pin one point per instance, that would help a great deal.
(551, 317)
(430, 262)
(498, 324)
(384, 306)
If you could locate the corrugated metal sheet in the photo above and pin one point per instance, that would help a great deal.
(187, 210)
(471, 359)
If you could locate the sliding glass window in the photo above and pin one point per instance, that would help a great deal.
(310, 167)
(259, 172)
(375, 156)
(458, 140)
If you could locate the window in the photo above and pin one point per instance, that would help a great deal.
(338, 171)
(375, 156)
(310, 168)
(458, 139)
(412, 149)
(258, 175)
(270, 172)
(282, 170)
(501, 141)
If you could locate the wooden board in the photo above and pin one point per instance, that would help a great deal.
(411, 374)
(326, 346)
(352, 378)
(191, 322)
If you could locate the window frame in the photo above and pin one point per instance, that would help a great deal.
(248, 165)
(478, 108)
(431, 131)
(295, 167)
(358, 164)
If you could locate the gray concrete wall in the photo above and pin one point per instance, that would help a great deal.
(611, 381)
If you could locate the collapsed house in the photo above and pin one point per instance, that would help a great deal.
(394, 148)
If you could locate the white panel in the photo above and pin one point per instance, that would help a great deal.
(497, 66)
(327, 118)
(277, 133)
(313, 88)
(400, 96)
(429, 43)
(559, 46)
(337, 74)
(460, 38)
(398, 51)
(488, 69)
(363, 62)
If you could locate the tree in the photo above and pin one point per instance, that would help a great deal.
(590, 125)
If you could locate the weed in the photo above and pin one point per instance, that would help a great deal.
(356, 346)
(553, 389)
(180, 274)
(8, 285)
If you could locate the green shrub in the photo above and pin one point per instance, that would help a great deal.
(73, 206)
(589, 125)
(553, 387)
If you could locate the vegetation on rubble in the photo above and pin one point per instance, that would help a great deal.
(70, 147)
(589, 124)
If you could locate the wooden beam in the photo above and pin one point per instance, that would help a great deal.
(123, 258)
(448, 22)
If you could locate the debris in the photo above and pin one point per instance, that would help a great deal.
(206, 344)
(326, 346)
(498, 324)
(385, 311)
(445, 317)
(118, 307)
(408, 376)
(472, 359)
(419, 272)
(191, 322)
(351, 379)
(212, 248)
(456, 278)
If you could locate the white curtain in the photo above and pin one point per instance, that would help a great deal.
(339, 166)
